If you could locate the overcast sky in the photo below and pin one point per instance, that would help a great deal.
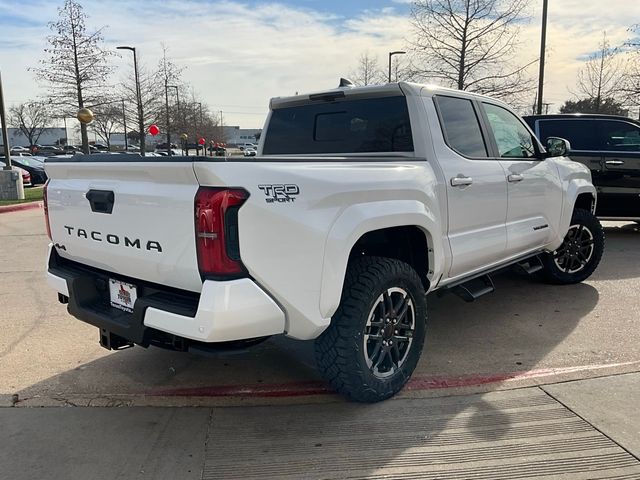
(238, 54)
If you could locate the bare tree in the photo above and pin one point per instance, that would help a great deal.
(602, 75)
(168, 80)
(630, 86)
(76, 67)
(368, 71)
(108, 119)
(31, 118)
(470, 45)
(152, 97)
(196, 120)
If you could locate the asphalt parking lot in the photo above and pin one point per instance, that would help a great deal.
(532, 381)
(526, 333)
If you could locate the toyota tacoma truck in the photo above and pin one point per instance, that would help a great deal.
(360, 202)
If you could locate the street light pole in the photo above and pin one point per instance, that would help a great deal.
(139, 95)
(124, 123)
(543, 43)
(201, 122)
(204, 151)
(5, 134)
(166, 99)
(177, 96)
(391, 54)
(178, 103)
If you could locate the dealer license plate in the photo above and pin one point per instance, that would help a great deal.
(123, 295)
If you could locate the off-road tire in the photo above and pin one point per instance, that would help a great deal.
(590, 225)
(341, 350)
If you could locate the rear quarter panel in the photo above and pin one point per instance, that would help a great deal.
(298, 250)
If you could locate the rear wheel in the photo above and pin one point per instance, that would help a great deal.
(375, 339)
(580, 253)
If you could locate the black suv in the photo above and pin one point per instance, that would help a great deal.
(610, 147)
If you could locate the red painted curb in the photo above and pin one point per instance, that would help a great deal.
(417, 383)
(299, 389)
(20, 206)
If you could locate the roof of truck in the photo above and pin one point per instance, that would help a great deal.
(372, 91)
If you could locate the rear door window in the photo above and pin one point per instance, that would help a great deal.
(461, 126)
(619, 136)
(371, 125)
(581, 133)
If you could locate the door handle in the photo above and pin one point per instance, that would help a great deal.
(614, 162)
(515, 177)
(461, 181)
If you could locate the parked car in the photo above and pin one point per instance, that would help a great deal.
(165, 153)
(610, 147)
(19, 149)
(249, 152)
(26, 176)
(48, 150)
(163, 146)
(363, 201)
(33, 165)
(218, 151)
(100, 147)
(247, 145)
(71, 149)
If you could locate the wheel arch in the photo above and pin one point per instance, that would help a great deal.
(586, 201)
(368, 228)
(580, 192)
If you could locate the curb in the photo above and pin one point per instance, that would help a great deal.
(20, 206)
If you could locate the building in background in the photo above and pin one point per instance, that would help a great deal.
(234, 135)
(49, 136)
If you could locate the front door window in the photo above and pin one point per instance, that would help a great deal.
(513, 139)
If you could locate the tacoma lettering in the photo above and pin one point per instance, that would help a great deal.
(113, 239)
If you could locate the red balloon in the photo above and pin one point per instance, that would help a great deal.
(202, 141)
(154, 130)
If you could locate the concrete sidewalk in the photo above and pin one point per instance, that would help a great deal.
(588, 429)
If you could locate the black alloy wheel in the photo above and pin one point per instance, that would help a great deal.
(580, 253)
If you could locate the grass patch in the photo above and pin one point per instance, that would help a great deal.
(31, 194)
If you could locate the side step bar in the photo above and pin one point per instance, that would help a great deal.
(530, 265)
(475, 288)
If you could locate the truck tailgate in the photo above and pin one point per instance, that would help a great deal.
(134, 219)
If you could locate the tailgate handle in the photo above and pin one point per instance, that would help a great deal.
(101, 200)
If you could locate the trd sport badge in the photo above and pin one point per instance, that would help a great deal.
(280, 193)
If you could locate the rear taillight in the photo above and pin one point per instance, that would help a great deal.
(46, 208)
(217, 242)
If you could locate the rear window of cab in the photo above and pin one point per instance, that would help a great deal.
(371, 125)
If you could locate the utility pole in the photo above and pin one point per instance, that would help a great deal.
(543, 46)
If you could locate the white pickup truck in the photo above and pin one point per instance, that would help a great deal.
(359, 203)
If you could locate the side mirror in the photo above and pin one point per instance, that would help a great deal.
(557, 147)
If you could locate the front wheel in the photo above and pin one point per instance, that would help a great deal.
(375, 339)
(580, 253)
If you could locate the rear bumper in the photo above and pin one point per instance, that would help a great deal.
(222, 312)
